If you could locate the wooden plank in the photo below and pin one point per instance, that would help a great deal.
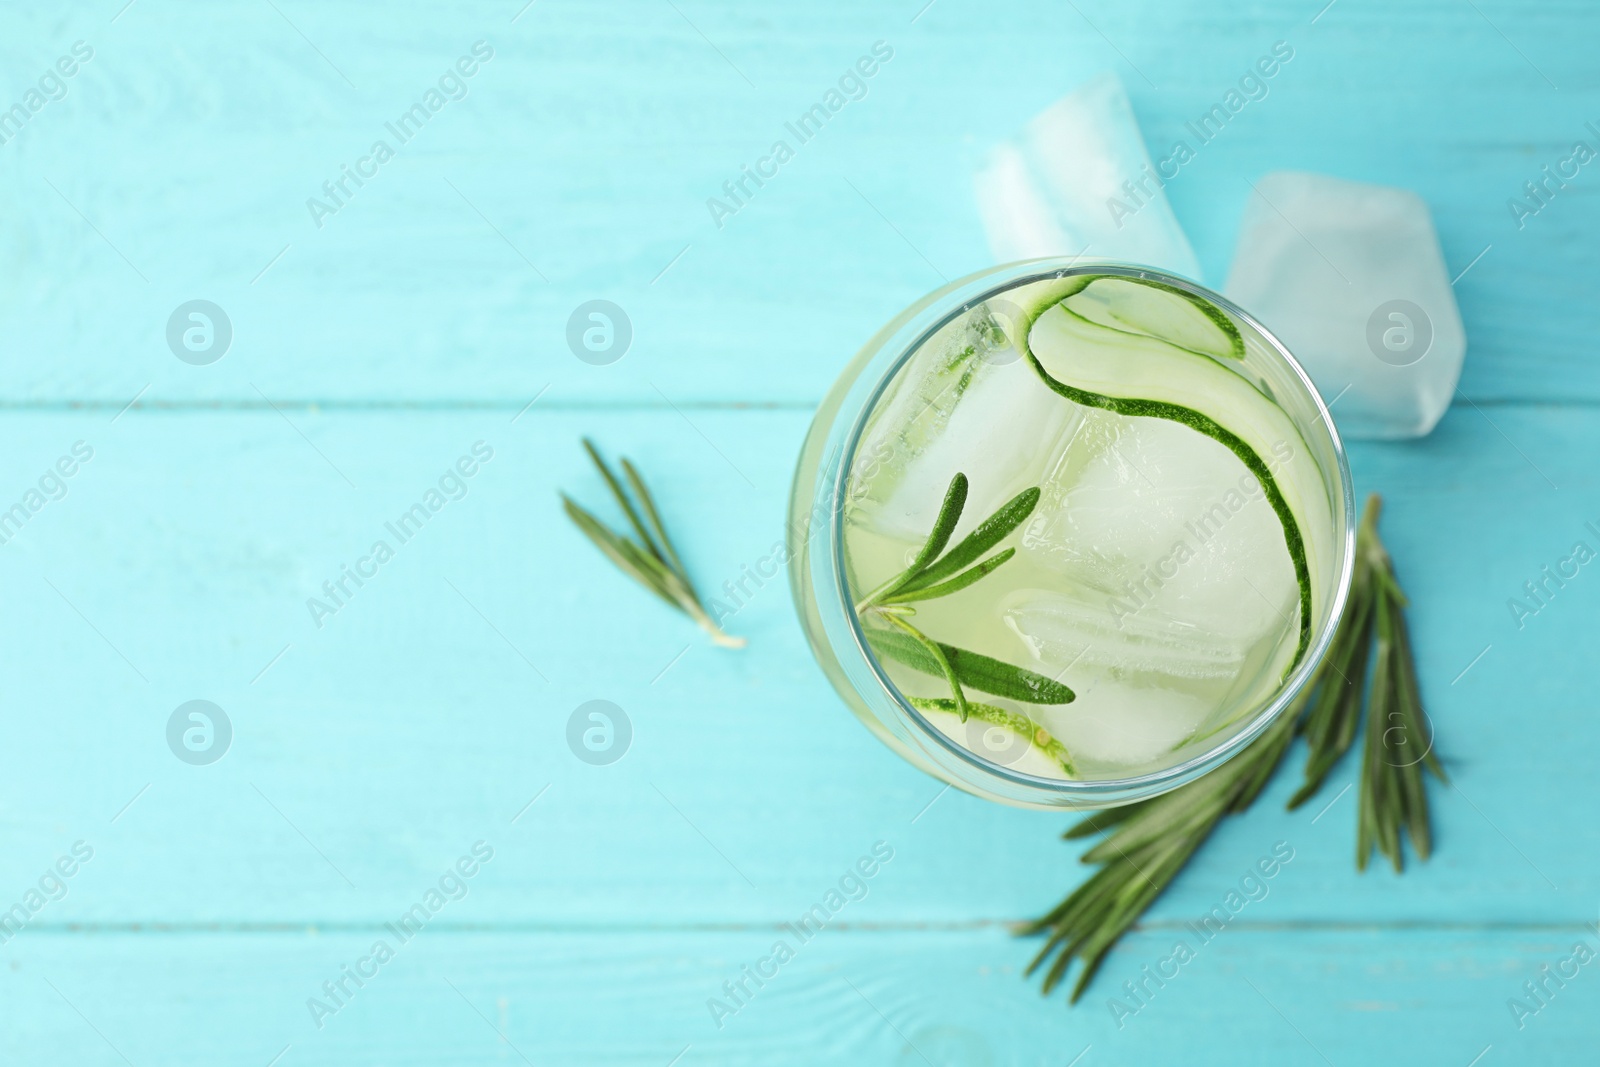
(431, 708)
(847, 996)
(579, 165)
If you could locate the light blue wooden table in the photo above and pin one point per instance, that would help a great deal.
(428, 715)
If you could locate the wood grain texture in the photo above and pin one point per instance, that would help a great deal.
(579, 163)
(897, 997)
(424, 716)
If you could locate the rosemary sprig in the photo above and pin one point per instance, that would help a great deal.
(650, 559)
(932, 573)
(1148, 845)
(1149, 842)
(1399, 741)
(1399, 737)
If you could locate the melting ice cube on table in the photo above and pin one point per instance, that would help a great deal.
(1078, 181)
(1350, 277)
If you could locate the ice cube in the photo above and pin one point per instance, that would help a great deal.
(982, 412)
(1078, 181)
(1103, 638)
(1351, 279)
(1146, 515)
(1112, 725)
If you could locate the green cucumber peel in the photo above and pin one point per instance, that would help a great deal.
(1017, 723)
(1053, 293)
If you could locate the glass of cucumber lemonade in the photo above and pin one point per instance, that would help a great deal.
(1070, 533)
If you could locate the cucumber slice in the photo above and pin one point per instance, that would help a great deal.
(1142, 376)
(1150, 308)
(1012, 739)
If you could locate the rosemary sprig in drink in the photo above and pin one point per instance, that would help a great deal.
(1150, 841)
(936, 573)
(650, 559)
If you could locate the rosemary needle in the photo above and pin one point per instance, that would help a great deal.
(649, 557)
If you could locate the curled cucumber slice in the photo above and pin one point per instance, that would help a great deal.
(1148, 308)
(1084, 348)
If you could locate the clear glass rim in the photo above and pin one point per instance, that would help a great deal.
(964, 294)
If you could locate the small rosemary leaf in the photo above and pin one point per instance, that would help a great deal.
(1180, 811)
(1102, 820)
(987, 534)
(1084, 906)
(1259, 761)
(955, 499)
(658, 572)
(648, 504)
(1388, 799)
(625, 554)
(937, 654)
(1414, 695)
(1149, 885)
(1078, 913)
(1336, 715)
(1154, 830)
(1416, 805)
(956, 584)
(622, 498)
(972, 669)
